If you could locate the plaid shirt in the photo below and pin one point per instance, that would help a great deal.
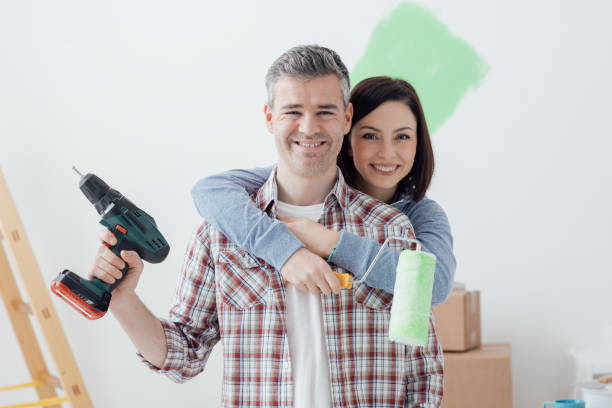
(226, 294)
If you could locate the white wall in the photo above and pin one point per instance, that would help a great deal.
(151, 96)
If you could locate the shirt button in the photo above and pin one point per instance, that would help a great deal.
(286, 365)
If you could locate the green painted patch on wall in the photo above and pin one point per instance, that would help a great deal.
(412, 44)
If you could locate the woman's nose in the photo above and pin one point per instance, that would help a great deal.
(386, 150)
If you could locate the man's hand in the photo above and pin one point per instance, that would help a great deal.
(107, 267)
(308, 271)
(315, 236)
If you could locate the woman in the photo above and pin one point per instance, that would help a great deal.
(388, 155)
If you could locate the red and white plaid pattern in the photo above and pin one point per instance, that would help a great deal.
(225, 293)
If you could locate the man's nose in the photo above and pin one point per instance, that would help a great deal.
(309, 125)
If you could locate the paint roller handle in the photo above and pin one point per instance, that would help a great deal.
(346, 280)
(379, 253)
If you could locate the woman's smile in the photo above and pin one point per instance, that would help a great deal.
(385, 169)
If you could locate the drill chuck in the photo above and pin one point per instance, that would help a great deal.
(98, 192)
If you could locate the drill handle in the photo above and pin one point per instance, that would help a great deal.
(118, 281)
(122, 244)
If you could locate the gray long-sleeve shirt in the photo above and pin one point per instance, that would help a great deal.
(229, 193)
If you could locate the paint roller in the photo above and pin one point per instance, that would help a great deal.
(409, 322)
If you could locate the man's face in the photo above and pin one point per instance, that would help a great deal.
(308, 121)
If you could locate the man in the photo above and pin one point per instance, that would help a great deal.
(282, 346)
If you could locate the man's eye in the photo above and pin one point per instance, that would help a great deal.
(326, 113)
(292, 113)
(370, 136)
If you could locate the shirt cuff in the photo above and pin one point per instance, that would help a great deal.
(287, 244)
(174, 355)
(344, 255)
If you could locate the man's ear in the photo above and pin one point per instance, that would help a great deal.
(348, 115)
(268, 116)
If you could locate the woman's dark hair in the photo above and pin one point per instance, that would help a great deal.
(368, 95)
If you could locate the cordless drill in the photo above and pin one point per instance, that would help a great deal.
(134, 229)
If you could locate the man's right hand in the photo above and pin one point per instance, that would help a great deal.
(308, 272)
(107, 266)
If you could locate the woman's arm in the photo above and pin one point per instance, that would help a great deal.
(431, 227)
(224, 201)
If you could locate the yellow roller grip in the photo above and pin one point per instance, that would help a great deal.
(42, 403)
(346, 280)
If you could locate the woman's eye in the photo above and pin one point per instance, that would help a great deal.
(403, 136)
(370, 136)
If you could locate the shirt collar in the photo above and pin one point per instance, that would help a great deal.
(267, 196)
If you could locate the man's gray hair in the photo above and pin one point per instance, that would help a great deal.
(308, 62)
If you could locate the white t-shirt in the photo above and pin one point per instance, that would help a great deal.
(307, 346)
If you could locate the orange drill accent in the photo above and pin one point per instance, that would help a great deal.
(120, 229)
(73, 300)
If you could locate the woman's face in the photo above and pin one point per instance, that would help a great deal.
(383, 146)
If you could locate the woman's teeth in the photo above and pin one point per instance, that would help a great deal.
(384, 169)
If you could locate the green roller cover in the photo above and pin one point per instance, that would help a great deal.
(409, 323)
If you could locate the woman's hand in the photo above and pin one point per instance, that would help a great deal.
(315, 236)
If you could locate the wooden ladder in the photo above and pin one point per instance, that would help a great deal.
(16, 243)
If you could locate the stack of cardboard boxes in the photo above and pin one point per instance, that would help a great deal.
(475, 375)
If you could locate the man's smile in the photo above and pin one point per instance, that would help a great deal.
(308, 145)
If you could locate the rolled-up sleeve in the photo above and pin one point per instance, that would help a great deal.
(192, 328)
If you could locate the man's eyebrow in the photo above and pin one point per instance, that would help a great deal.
(291, 106)
(298, 106)
(328, 107)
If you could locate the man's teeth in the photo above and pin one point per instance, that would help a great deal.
(387, 169)
(309, 144)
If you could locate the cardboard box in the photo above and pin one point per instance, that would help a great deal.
(478, 378)
(458, 321)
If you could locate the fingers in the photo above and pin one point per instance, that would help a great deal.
(308, 271)
(308, 286)
(105, 270)
(321, 282)
(133, 259)
(108, 266)
(315, 280)
(109, 269)
(333, 282)
(301, 287)
(605, 379)
(312, 288)
(107, 236)
(110, 257)
(288, 219)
